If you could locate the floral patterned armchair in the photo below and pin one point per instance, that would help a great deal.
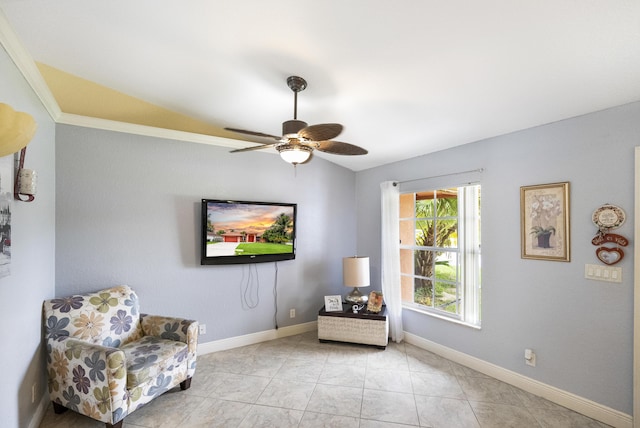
(105, 359)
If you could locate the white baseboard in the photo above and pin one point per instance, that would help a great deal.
(566, 399)
(250, 339)
(38, 415)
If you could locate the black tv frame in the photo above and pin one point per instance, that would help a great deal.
(250, 258)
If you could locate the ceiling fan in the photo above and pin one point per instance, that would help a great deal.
(299, 140)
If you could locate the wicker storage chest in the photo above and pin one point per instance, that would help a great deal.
(361, 327)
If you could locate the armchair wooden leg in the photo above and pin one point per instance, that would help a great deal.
(58, 408)
(116, 425)
(185, 384)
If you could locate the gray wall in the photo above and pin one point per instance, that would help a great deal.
(32, 261)
(128, 212)
(581, 330)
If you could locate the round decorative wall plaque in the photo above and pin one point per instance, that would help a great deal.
(608, 217)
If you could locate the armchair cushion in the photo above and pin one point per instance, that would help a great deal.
(108, 317)
(148, 357)
(105, 359)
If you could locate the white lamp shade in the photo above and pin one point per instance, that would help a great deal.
(355, 271)
(16, 130)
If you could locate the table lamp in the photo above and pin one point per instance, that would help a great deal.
(355, 273)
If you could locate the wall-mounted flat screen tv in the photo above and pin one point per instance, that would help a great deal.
(247, 232)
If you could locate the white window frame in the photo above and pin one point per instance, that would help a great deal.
(469, 257)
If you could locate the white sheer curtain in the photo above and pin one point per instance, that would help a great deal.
(390, 197)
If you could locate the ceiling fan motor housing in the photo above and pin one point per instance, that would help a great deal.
(296, 83)
(292, 127)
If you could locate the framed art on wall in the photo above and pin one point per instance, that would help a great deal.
(544, 222)
(6, 198)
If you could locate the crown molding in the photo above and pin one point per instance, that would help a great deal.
(27, 66)
(149, 131)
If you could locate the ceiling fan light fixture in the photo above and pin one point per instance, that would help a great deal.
(298, 139)
(294, 153)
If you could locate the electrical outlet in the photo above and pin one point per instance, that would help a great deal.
(33, 393)
(203, 328)
(292, 313)
(529, 357)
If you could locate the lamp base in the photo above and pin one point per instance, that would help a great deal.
(356, 297)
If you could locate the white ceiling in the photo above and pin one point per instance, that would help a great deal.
(404, 77)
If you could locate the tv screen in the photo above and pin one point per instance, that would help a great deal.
(247, 232)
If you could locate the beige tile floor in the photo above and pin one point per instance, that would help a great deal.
(298, 382)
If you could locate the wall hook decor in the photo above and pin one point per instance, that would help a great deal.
(609, 217)
(26, 180)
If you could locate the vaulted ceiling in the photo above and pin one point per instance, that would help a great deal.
(405, 78)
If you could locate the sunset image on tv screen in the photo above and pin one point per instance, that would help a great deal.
(237, 229)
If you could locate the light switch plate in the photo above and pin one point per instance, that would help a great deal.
(603, 273)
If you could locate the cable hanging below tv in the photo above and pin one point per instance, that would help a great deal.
(236, 232)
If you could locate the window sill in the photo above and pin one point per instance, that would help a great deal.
(441, 317)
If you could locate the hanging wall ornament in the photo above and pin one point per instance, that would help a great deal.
(606, 218)
(610, 238)
(609, 256)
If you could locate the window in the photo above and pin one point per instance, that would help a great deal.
(440, 252)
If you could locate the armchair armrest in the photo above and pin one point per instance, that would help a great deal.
(88, 378)
(178, 329)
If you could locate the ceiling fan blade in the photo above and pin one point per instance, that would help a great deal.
(257, 134)
(321, 132)
(339, 148)
(248, 149)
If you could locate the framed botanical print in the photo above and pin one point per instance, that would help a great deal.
(544, 222)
